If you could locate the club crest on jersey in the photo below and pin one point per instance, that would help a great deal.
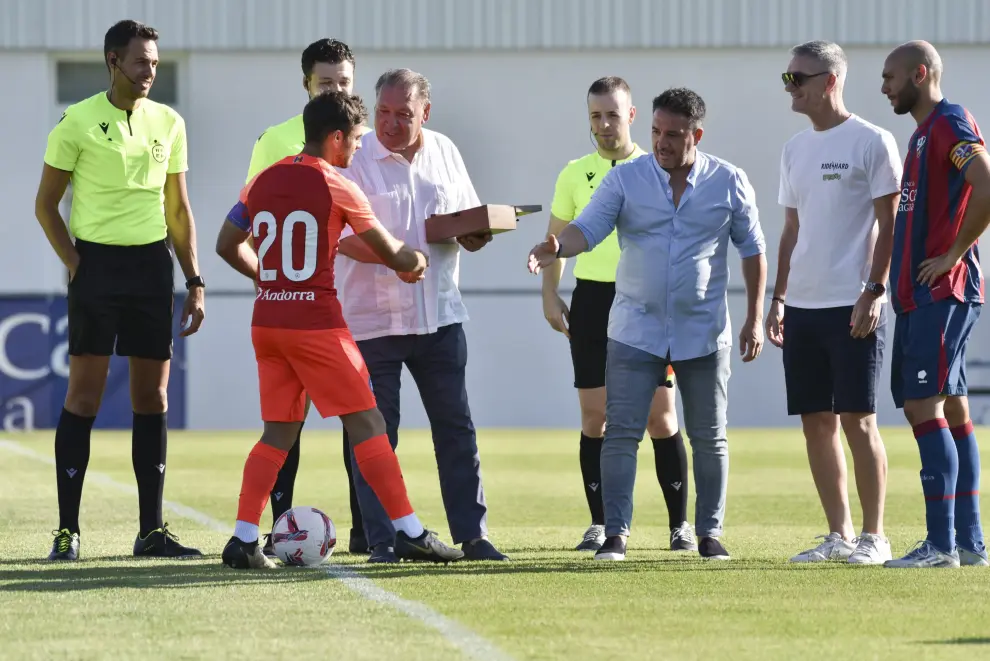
(283, 295)
(158, 152)
(919, 146)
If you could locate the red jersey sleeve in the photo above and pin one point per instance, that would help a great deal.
(352, 204)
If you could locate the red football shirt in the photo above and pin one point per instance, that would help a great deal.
(296, 210)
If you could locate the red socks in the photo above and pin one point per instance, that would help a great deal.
(380, 468)
(260, 471)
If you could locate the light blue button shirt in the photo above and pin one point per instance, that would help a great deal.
(670, 287)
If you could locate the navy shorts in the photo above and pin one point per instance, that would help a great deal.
(825, 368)
(930, 350)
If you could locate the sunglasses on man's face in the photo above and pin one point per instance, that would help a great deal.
(798, 79)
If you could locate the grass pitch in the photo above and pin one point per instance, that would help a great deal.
(549, 602)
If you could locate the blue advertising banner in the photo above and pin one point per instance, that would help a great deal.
(34, 369)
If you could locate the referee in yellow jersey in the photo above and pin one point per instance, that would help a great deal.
(611, 113)
(126, 158)
(327, 65)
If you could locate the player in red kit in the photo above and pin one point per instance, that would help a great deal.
(938, 293)
(295, 210)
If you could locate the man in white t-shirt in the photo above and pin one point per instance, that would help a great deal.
(839, 184)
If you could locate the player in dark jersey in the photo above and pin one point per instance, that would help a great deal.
(296, 210)
(938, 293)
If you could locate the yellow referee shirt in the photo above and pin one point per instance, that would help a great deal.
(119, 160)
(279, 141)
(575, 185)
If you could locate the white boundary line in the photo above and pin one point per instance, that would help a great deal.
(470, 643)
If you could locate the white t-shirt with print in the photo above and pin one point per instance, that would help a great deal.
(832, 178)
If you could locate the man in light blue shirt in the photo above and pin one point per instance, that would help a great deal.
(675, 212)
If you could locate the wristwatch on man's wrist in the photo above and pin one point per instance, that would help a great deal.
(195, 281)
(875, 288)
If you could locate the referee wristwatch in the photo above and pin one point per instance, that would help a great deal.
(875, 288)
(196, 281)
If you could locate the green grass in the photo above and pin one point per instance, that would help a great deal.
(548, 603)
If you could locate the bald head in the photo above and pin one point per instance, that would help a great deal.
(911, 77)
(915, 54)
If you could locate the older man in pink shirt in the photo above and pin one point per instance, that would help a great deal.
(408, 173)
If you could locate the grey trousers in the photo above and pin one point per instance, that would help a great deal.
(631, 378)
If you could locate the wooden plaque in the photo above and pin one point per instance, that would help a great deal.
(494, 218)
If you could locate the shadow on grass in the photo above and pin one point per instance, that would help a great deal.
(589, 566)
(71, 578)
(958, 641)
(87, 560)
(152, 573)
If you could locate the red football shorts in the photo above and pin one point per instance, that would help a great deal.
(325, 364)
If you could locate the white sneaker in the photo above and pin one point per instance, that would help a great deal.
(833, 548)
(971, 559)
(924, 555)
(870, 550)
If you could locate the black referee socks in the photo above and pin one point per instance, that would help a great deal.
(72, 438)
(672, 474)
(591, 472)
(148, 442)
(285, 481)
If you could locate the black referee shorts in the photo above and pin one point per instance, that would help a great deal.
(121, 300)
(591, 303)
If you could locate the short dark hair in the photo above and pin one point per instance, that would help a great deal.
(325, 50)
(609, 84)
(330, 112)
(682, 101)
(119, 36)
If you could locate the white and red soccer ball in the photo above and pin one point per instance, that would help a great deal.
(304, 537)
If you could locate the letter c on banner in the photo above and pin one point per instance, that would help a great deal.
(7, 326)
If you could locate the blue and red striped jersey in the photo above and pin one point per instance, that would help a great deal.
(934, 197)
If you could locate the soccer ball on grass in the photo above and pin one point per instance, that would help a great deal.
(304, 537)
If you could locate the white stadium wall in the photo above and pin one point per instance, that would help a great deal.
(517, 117)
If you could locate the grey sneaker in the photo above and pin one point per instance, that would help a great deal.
(971, 559)
(924, 555)
(594, 537)
(682, 538)
(832, 548)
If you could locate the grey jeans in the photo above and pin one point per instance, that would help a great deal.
(631, 379)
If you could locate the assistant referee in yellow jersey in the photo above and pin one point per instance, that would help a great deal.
(327, 66)
(126, 158)
(611, 113)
